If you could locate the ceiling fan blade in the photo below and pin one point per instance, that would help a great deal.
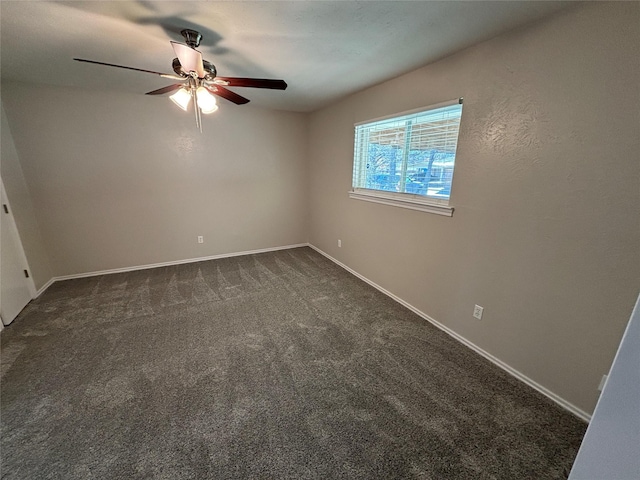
(167, 89)
(120, 66)
(190, 58)
(254, 82)
(228, 94)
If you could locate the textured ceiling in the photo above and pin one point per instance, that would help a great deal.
(323, 50)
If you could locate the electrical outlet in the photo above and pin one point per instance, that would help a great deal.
(200, 239)
(477, 312)
(340, 243)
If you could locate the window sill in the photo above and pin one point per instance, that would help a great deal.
(422, 206)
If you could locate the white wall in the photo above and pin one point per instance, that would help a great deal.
(546, 233)
(22, 206)
(120, 180)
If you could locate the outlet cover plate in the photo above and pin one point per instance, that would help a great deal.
(603, 382)
(477, 312)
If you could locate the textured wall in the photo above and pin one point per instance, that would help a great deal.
(119, 180)
(546, 232)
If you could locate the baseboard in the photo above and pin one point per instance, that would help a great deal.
(43, 288)
(165, 264)
(520, 376)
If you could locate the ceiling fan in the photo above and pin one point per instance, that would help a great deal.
(199, 80)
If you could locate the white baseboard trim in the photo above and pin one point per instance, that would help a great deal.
(164, 264)
(520, 376)
(42, 289)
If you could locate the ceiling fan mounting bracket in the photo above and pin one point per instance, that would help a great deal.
(191, 37)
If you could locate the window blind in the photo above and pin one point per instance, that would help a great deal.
(410, 154)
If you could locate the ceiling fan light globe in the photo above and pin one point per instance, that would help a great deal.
(181, 98)
(209, 110)
(206, 101)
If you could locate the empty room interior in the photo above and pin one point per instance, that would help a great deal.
(375, 240)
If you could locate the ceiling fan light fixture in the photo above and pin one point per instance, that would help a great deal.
(181, 98)
(209, 110)
(198, 79)
(206, 101)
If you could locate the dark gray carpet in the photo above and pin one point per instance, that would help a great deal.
(279, 365)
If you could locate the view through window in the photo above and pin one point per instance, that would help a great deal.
(412, 154)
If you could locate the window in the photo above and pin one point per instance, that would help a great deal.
(408, 159)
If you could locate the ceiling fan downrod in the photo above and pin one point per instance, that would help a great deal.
(191, 37)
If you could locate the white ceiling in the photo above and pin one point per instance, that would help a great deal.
(323, 50)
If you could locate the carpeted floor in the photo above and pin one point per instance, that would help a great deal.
(277, 366)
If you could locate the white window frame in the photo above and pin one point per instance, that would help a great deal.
(405, 200)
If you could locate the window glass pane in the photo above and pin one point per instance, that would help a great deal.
(412, 154)
(384, 164)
